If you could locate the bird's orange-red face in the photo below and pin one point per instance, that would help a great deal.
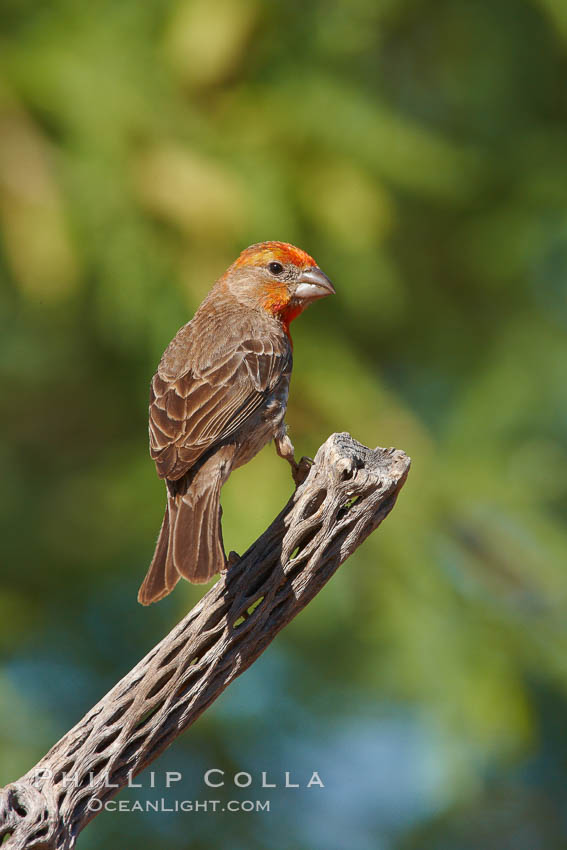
(287, 279)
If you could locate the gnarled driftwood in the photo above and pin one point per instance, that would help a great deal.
(349, 490)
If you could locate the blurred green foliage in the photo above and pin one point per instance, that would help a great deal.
(417, 150)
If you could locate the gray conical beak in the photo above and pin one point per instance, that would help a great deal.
(312, 284)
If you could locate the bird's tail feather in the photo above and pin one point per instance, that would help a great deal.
(190, 542)
(154, 586)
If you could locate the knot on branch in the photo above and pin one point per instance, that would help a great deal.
(25, 822)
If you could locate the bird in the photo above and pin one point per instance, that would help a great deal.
(219, 395)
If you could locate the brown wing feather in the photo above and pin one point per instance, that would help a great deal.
(195, 410)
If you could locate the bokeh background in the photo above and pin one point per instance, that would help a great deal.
(418, 149)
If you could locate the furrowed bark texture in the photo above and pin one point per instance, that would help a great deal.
(349, 490)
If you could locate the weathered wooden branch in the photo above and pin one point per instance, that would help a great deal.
(350, 489)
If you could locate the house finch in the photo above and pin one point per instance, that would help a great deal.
(218, 396)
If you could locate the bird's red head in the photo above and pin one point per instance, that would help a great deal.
(265, 252)
(281, 279)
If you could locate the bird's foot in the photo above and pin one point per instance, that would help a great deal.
(230, 561)
(300, 470)
(284, 448)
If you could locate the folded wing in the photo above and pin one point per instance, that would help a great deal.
(204, 405)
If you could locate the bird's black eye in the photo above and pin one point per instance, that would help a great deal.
(275, 268)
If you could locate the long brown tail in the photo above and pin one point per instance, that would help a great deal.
(190, 541)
